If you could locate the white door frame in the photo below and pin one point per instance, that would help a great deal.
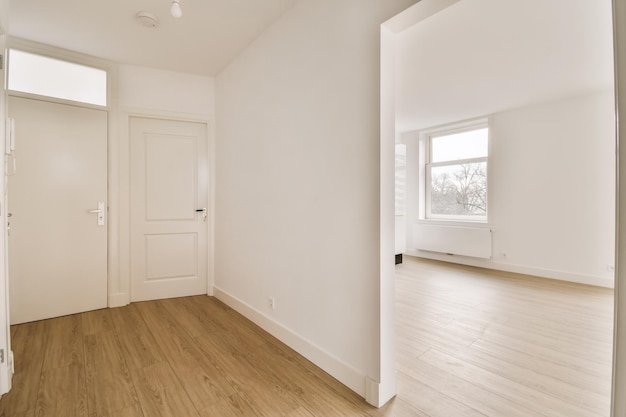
(6, 366)
(618, 403)
(119, 286)
(112, 134)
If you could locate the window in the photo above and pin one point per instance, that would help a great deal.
(456, 174)
(36, 74)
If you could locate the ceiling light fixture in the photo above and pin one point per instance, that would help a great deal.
(175, 10)
(147, 19)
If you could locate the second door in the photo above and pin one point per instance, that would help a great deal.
(169, 202)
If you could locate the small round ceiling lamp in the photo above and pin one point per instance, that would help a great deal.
(147, 19)
(175, 10)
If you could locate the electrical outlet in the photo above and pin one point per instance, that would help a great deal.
(271, 303)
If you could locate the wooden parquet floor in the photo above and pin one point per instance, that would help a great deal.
(470, 342)
(185, 357)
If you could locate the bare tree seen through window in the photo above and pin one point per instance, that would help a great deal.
(456, 171)
(459, 190)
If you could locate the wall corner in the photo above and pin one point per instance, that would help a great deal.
(378, 394)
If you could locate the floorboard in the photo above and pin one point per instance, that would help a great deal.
(501, 344)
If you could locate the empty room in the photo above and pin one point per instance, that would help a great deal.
(198, 209)
(505, 206)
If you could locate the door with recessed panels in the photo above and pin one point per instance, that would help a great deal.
(169, 208)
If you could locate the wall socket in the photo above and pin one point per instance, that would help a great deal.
(271, 303)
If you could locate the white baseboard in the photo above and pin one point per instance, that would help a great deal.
(378, 394)
(327, 362)
(119, 300)
(518, 269)
(372, 392)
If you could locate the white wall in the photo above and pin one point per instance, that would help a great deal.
(153, 89)
(298, 183)
(146, 92)
(4, 15)
(551, 190)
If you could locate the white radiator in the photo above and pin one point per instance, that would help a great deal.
(465, 241)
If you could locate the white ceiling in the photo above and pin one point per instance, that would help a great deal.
(203, 41)
(478, 57)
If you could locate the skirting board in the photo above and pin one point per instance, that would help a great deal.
(119, 300)
(378, 394)
(518, 269)
(328, 363)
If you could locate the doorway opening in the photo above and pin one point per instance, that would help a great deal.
(530, 130)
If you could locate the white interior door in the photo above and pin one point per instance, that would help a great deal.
(168, 185)
(57, 247)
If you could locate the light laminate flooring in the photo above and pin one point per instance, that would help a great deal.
(470, 342)
(473, 342)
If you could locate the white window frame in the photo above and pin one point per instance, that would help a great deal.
(427, 137)
(72, 57)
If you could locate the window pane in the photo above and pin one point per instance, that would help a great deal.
(459, 190)
(464, 145)
(36, 74)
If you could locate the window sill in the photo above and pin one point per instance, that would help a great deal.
(455, 223)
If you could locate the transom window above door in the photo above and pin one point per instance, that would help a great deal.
(45, 76)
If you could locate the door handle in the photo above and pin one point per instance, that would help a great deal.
(100, 212)
(204, 212)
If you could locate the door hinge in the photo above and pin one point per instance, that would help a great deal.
(1, 355)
